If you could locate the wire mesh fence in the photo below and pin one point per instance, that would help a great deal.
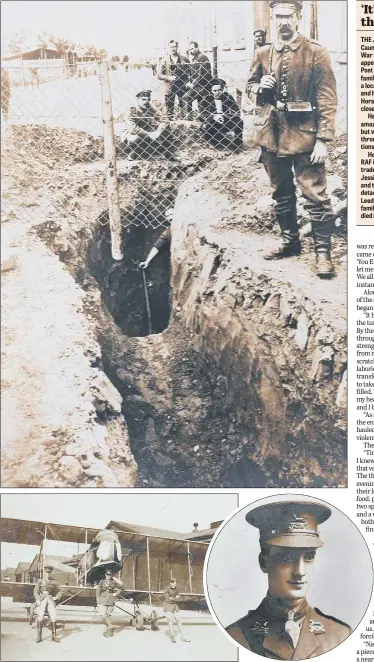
(165, 127)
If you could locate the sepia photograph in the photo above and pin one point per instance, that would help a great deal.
(174, 254)
(278, 576)
(80, 583)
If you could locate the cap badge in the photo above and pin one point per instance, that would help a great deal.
(316, 627)
(297, 524)
(260, 628)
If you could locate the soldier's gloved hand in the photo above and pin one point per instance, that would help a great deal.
(143, 265)
(320, 153)
(268, 82)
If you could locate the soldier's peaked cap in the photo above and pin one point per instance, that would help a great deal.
(144, 93)
(259, 31)
(288, 6)
(49, 567)
(289, 523)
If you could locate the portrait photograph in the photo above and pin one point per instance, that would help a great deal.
(278, 574)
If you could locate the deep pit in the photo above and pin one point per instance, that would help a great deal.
(122, 284)
(238, 383)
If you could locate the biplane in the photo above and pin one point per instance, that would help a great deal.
(144, 563)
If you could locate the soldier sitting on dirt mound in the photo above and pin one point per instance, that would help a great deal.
(223, 126)
(146, 134)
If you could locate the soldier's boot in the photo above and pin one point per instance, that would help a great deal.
(40, 633)
(54, 634)
(322, 231)
(290, 236)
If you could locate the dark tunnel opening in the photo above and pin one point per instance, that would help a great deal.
(125, 286)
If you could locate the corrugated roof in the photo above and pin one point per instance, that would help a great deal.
(23, 566)
(144, 530)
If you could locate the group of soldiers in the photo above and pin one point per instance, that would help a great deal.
(292, 85)
(48, 594)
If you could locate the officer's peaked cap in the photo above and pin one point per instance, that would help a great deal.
(144, 93)
(287, 5)
(289, 523)
(260, 31)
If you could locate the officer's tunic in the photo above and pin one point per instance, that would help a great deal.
(303, 72)
(261, 633)
(170, 596)
(106, 594)
(46, 592)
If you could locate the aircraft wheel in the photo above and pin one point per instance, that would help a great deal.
(154, 625)
(139, 621)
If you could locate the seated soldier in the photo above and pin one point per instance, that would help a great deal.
(146, 134)
(223, 125)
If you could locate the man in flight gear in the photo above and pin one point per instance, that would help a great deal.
(107, 592)
(47, 593)
(284, 626)
(293, 83)
(171, 610)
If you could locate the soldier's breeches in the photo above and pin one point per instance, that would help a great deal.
(46, 605)
(310, 177)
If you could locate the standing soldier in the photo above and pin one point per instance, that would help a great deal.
(293, 82)
(173, 71)
(284, 626)
(107, 592)
(171, 609)
(46, 593)
(259, 38)
(199, 79)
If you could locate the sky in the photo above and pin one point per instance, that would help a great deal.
(174, 512)
(141, 28)
(121, 27)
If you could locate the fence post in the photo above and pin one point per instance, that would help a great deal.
(111, 161)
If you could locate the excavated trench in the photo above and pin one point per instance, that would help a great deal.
(242, 381)
(182, 430)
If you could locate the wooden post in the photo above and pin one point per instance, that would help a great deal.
(149, 573)
(189, 567)
(110, 157)
(214, 44)
(85, 558)
(44, 550)
(314, 20)
(261, 16)
(23, 72)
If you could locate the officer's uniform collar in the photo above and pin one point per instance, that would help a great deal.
(293, 45)
(307, 644)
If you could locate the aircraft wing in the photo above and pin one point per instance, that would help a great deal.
(86, 596)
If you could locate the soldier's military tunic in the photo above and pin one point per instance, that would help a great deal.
(46, 592)
(303, 72)
(107, 592)
(262, 631)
